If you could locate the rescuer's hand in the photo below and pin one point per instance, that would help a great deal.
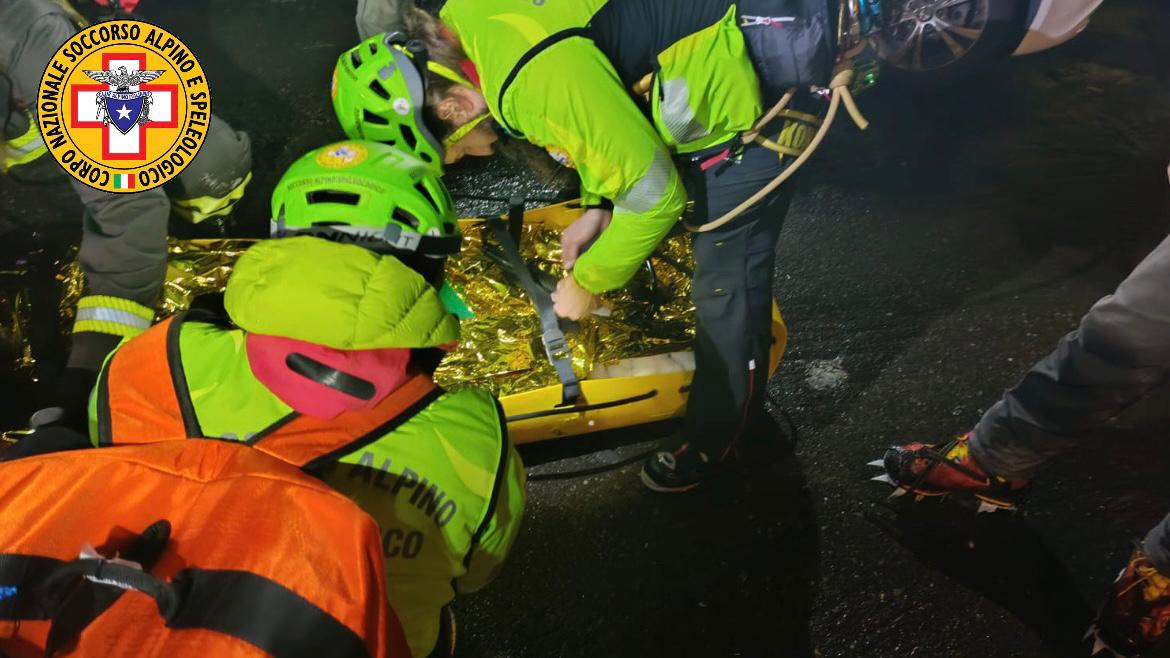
(572, 301)
(582, 233)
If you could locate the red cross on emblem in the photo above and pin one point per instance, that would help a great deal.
(115, 145)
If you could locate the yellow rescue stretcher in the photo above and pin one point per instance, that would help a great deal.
(655, 390)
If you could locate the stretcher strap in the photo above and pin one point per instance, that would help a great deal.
(652, 393)
(552, 336)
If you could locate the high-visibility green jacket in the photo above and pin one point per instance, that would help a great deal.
(560, 72)
(446, 486)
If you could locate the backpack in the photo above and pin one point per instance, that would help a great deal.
(185, 548)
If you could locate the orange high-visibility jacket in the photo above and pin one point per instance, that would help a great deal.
(173, 547)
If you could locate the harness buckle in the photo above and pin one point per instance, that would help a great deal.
(555, 347)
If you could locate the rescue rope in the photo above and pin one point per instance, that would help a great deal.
(751, 135)
(840, 94)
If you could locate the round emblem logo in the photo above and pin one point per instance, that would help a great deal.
(342, 155)
(402, 106)
(123, 106)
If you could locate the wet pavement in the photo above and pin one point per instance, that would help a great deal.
(924, 266)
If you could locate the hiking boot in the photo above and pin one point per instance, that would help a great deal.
(1133, 621)
(946, 470)
(675, 471)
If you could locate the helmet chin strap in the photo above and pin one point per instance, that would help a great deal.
(448, 73)
(462, 131)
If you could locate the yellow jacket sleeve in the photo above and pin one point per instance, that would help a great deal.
(570, 97)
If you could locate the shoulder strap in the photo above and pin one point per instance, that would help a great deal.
(544, 44)
(309, 442)
(142, 392)
(225, 601)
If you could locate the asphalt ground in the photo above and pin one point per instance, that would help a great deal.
(924, 266)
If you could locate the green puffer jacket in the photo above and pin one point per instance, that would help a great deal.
(446, 486)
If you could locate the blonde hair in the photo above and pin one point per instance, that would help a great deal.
(440, 48)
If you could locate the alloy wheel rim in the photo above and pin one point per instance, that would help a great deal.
(929, 34)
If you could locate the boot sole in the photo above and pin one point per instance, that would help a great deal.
(654, 486)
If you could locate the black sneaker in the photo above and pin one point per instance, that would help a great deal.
(675, 471)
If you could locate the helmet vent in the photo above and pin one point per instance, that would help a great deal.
(370, 117)
(332, 196)
(373, 47)
(406, 218)
(378, 89)
(355, 58)
(408, 136)
(426, 193)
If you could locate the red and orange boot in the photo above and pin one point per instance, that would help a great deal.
(1133, 621)
(943, 470)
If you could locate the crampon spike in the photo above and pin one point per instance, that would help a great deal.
(884, 477)
(1099, 646)
(878, 463)
(986, 507)
(897, 493)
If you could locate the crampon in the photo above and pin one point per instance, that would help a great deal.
(1133, 621)
(942, 471)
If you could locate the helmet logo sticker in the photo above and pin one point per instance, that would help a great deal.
(342, 155)
(402, 106)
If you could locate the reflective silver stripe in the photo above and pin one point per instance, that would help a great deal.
(648, 191)
(103, 314)
(676, 113)
(36, 143)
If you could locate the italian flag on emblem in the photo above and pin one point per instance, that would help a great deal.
(123, 182)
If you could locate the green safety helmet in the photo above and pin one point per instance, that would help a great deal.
(371, 195)
(379, 94)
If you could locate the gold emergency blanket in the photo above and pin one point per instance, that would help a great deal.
(500, 347)
(194, 267)
(14, 318)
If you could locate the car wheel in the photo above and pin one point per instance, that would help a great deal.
(932, 42)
